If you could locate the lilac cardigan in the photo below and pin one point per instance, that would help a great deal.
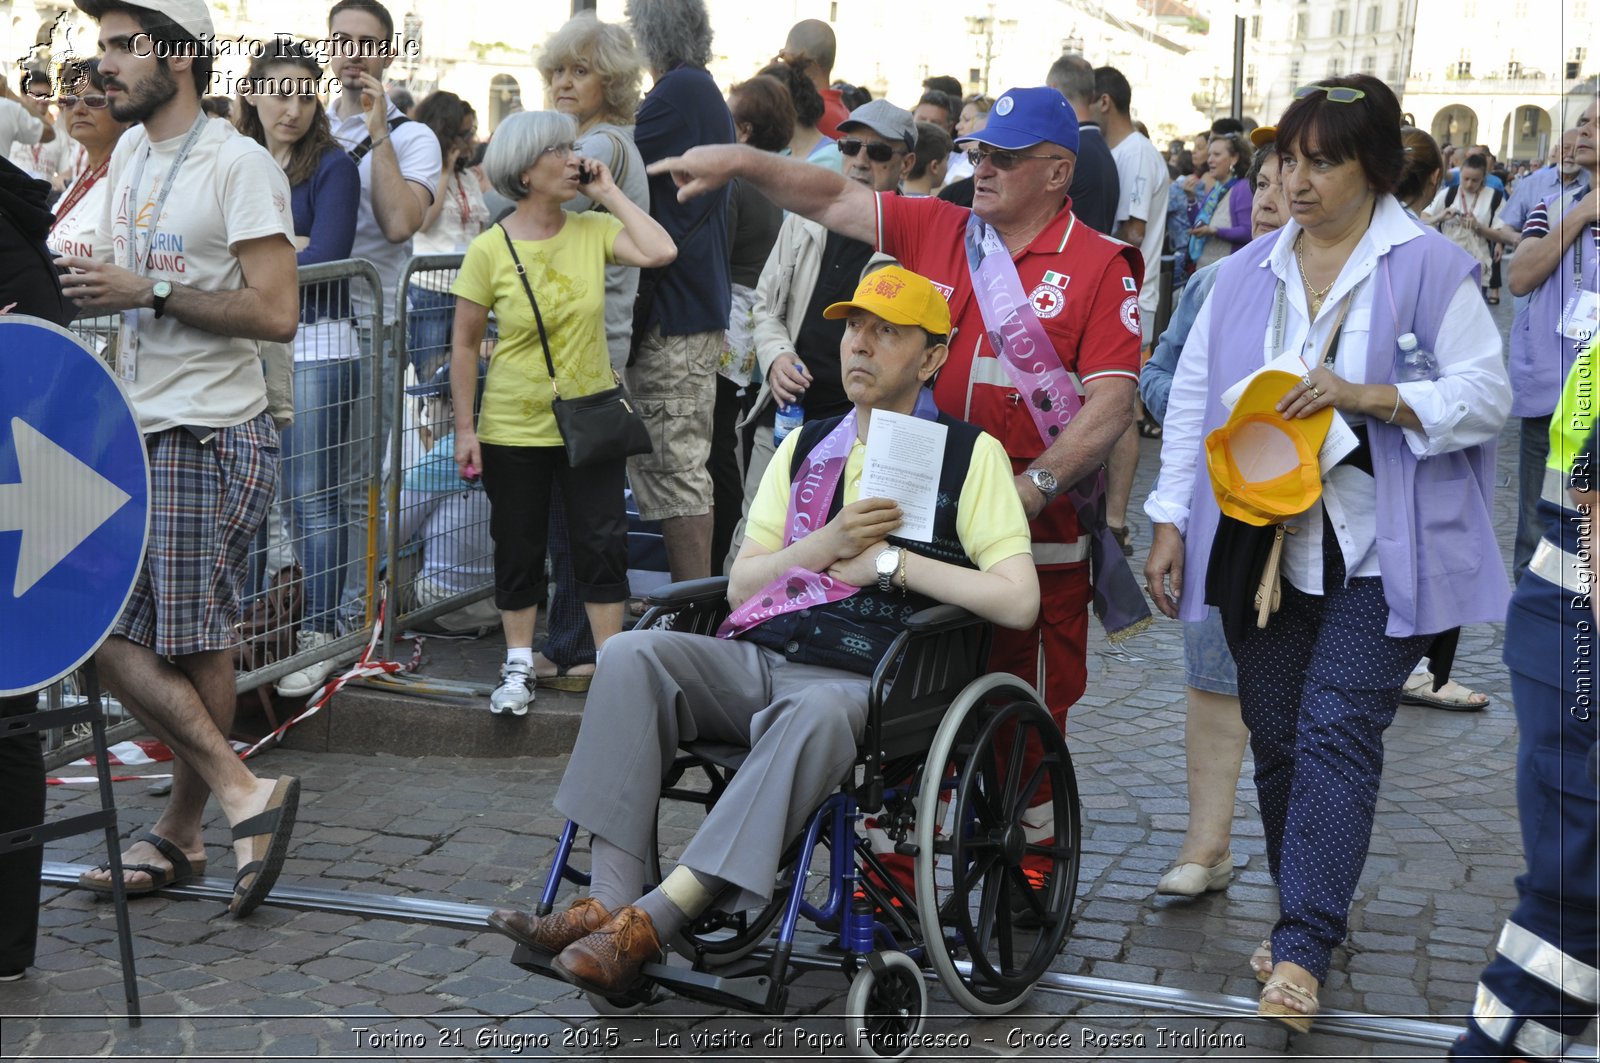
(1437, 551)
(1240, 199)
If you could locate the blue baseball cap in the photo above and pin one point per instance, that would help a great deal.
(1021, 118)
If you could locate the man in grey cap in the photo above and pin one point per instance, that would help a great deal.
(809, 269)
(196, 254)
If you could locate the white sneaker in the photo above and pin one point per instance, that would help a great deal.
(515, 690)
(308, 679)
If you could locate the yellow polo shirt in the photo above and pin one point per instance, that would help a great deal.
(989, 517)
(567, 273)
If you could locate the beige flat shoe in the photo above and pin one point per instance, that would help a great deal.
(1191, 880)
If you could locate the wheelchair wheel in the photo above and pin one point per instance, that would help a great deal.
(983, 887)
(885, 1007)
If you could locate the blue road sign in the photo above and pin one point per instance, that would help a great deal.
(74, 502)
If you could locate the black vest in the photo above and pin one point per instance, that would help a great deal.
(855, 633)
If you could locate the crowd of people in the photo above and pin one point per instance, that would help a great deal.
(742, 278)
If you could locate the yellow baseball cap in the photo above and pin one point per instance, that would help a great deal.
(1264, 468)
(899, 296)
(1263, 134)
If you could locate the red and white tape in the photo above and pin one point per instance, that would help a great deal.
(150, 751)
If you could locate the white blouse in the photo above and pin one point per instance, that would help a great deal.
(1466, 406)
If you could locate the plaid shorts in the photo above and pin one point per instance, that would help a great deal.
(206, 503)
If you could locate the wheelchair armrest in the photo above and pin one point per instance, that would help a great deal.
(940, 618)
(689, 592)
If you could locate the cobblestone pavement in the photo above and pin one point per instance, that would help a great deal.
(304, 984)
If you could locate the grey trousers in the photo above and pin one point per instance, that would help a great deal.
(655, 689)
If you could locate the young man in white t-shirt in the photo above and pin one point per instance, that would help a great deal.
(1142, 215)
(399, 162)
(195, 251)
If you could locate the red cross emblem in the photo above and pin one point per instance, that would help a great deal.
(1047, 301)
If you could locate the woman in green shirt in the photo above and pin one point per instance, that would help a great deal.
(515, 443)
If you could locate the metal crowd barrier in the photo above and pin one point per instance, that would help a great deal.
(313, 569)
(441, 571)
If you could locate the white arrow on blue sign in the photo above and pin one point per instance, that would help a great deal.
(74, 502)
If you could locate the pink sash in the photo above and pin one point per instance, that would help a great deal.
(810, 498)
(1015, 333)
(1029, 358)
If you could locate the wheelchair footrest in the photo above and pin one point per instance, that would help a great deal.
(749, 993)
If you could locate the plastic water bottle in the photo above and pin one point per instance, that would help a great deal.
(1415, 363)
(791, 415)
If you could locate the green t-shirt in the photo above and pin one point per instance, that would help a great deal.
(567, 273)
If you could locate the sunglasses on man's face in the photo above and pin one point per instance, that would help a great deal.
(877, 150)
(1002, 160)
(1336, 93)
(94, 103)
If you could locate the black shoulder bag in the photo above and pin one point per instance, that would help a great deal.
(596, 428)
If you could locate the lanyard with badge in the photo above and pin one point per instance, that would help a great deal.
(139, 258)
(1580, 318)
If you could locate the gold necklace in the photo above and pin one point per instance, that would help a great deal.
(1314, 296)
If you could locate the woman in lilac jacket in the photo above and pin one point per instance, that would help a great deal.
(1399, 547)
(1222, 219)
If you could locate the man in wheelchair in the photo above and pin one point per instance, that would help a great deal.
(819, 590)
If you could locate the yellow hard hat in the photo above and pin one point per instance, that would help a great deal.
(1263, 468)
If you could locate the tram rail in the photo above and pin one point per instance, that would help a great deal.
(1156, 999)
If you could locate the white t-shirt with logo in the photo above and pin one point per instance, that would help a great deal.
(418, 151)
(1145, 179)
(74, 231)
(229, 190)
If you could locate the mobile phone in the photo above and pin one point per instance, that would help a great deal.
(585, 175)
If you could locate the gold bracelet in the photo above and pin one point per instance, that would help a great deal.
(1396, 411)
(902, 572)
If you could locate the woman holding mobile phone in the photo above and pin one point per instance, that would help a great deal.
(541, 270)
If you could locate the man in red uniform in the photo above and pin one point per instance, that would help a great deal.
(1082, 287)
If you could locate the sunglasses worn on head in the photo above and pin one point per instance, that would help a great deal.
(94, 103)
(877, 150)
(1002, 160)
(1336, 93)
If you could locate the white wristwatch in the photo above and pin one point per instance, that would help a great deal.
(887, 564)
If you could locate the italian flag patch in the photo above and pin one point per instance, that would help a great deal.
(1054, 279)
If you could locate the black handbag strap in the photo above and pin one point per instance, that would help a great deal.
(538, 318)
(359, 152)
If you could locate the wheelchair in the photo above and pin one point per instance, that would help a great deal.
(950, 761)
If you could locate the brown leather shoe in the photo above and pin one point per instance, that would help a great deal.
(553, 932)
(608, 960)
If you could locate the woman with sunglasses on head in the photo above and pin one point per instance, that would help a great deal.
(552, 315)
(1384, 326)
(1222, 220)
(88, 120)
(281, 112)
(456, 216)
